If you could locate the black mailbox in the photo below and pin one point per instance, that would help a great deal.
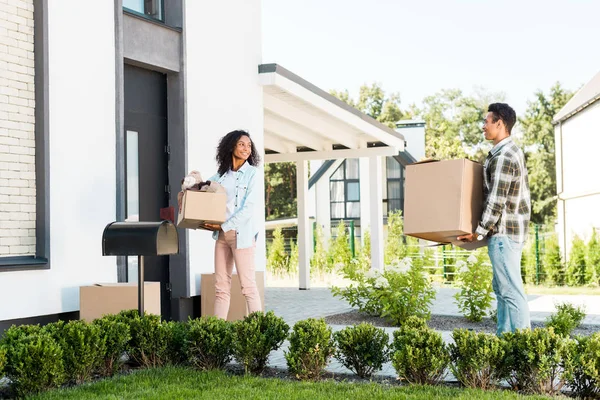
(140, 239)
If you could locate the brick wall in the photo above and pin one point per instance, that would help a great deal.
(17, 144)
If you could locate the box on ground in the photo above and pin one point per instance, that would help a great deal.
(111, 298)
(443, 200)
(238, 307)
(201, 208)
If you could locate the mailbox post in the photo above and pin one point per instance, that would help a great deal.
(140, 239)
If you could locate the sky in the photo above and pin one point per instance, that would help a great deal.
(418, 47)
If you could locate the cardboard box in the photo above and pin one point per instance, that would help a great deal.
(238, 308)
(443, 200)
(111, 298)
(201, 208)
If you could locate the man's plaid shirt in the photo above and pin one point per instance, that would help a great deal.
(507, 204)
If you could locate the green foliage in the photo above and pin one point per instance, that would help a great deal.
(593, 256)
(278, 259)
(584, 379)
(318, 261)
(293, 264)
(395, 249)
(536, 361)
(364, 253)
(34, 360)
(567, 318)
(539, 146)
(255, 337)
(475, 280)
(362, 348)
(280, 190)
(83, 348)
(210, 343)
(115, 335)
(374, 102)
(552, 260)
(149, 345)
(2, 360)
(578, 272)
(339, 253)
(177, 332)
(475, 358)
(311, 347)
(419, 353)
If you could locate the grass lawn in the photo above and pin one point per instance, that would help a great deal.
(533, 289)
(184, 383)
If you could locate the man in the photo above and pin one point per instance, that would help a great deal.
(505, 217)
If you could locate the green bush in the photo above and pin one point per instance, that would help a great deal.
(419, 353)
(255, 337)
(475, 280)
(363, 348)
(567, 318)
(593, 256)
(294, 255)
(149, 344)
(318, 261)
(210, 343)
(34, 362)
(311, 347)
(278, 260)
(394, 248)
(578, 271)
(553, 261)
(177, 332)
(475, 358)
(116, 336)
(82, 346)
(536, 361)
(2, 360)
(339, 253)
(584, 379)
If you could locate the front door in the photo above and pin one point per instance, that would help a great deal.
(146, 165)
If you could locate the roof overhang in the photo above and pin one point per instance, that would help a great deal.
(303, 122)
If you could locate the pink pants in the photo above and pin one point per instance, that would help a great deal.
(226, 254)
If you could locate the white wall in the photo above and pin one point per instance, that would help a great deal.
(82, 162)
(223, 51)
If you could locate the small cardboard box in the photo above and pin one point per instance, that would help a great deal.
(111, 298)
(443, 200)
(201, 208)
(238, 307)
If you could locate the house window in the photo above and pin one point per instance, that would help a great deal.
(149, 8)
(344, 189)
(395, 185)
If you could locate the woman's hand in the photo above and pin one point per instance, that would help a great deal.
(211, 227)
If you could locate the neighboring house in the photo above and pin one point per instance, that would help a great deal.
(577, 137)
(336, 184)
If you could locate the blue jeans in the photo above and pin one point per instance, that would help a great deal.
(513, 309)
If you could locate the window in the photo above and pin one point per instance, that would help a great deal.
(149, 8)
(344, 190)
(395, 185)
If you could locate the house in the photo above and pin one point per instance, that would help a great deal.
(577, 141)
(104, 106)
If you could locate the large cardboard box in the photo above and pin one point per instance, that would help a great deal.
(238, 308)
(111, 298)
(443, 200)
(201, 208)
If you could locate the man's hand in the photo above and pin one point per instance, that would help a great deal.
(467, 238)
(211, 227)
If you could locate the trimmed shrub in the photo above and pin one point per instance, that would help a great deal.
(34, 362)
(149, 344)
(116, 336)
(255, 337)
(420, 355)
(584, 379)
(82, 346)
(567, 318)
(177, 350)
(475, 358)
(363, 348)
(536, 361)
(311, 347)
(210, 343)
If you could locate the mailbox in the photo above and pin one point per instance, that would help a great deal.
(140, 239)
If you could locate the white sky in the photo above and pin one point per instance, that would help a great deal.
(419, 47)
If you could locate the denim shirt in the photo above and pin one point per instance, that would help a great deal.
(242, 220)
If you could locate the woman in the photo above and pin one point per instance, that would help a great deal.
(237, 159)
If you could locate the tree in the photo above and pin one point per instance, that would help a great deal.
(280, 190)
(578, 272)
(278, 260)
(593, 255)
(553, 260)
(373, 101)
(538, 143)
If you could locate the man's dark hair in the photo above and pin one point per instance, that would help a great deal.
(504, 112)
(225, 151)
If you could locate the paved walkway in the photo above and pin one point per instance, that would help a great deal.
(295, 305)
